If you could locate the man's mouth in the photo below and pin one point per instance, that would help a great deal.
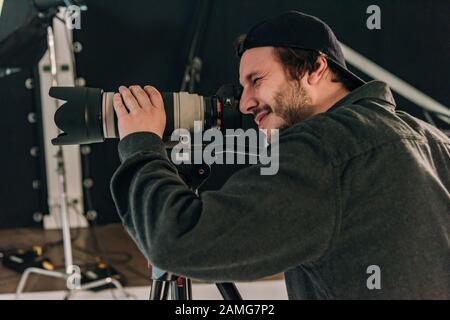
(259, 118)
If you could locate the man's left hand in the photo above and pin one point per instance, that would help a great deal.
(139, 110)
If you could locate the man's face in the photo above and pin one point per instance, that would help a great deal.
(275, 100)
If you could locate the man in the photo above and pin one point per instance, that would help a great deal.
(359, 208)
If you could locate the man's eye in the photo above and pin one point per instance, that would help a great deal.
(256, 80)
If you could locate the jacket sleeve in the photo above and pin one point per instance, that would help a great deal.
(254, 226)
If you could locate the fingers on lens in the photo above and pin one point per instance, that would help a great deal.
(154, 96)
(141, 96)
(130, 101)
(119, 106)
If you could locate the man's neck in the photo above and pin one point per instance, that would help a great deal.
(331, 99)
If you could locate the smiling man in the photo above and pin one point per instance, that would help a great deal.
(276, 91)
(359, 207)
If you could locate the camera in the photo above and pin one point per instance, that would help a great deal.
(88, 114)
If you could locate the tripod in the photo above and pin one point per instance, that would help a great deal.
(162, 281)
(71, 274)
(181, 287)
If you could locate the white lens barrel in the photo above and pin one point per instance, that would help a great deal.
(187, 108)
(109, 121)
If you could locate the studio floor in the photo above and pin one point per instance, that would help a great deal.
(115, 246)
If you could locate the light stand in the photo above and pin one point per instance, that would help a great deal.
(71, 274)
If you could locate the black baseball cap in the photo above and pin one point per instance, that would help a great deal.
(294, 29)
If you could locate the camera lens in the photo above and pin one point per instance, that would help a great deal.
(88, 115)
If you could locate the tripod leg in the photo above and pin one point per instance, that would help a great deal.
(156, 292)
(189, 289)
(229, 291)
(166, 288)
(179, 290)
(161, 283)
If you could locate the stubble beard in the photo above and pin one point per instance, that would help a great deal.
(292, 104)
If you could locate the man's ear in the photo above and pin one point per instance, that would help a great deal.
(314, 77)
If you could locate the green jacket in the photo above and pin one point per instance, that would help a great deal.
(359, 209)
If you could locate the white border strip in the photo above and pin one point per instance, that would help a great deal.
(256, 290)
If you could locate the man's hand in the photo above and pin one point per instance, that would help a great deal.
(139, 110)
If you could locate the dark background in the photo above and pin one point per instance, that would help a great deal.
(146, 42)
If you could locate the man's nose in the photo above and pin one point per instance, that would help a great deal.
(247, 103)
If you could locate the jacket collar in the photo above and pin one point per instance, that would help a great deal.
(374, 90)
